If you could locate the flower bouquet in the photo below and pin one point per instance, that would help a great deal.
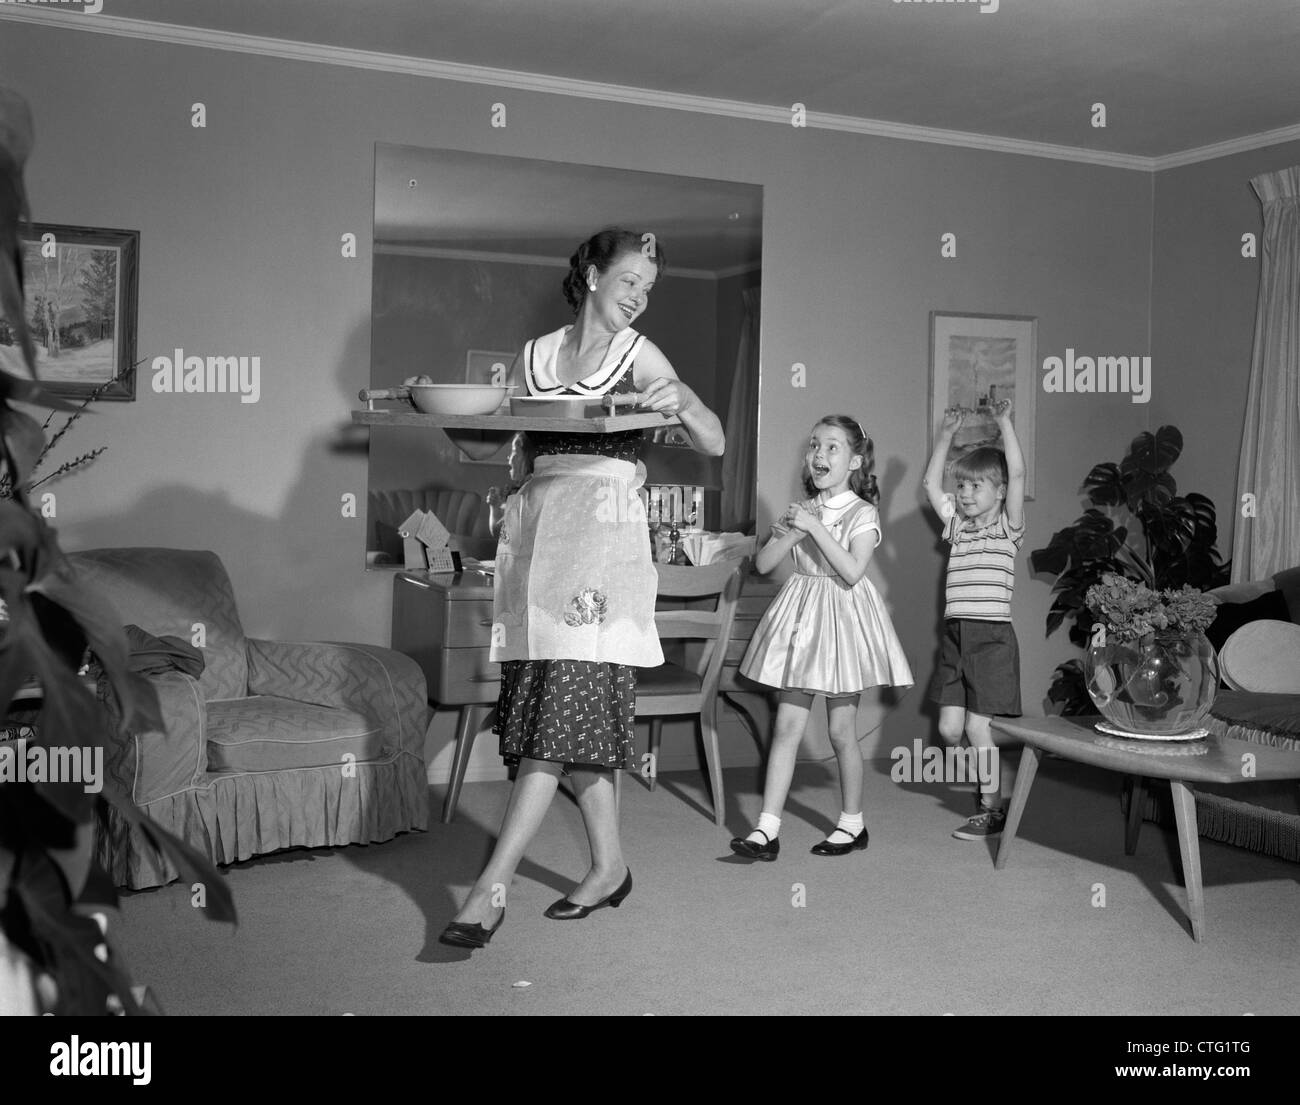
(1150, 669)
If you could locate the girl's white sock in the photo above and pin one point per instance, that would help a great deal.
(847, 830)
(768, 825)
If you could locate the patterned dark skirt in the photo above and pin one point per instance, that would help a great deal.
(567, 711)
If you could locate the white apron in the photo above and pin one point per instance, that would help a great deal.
(574, 578)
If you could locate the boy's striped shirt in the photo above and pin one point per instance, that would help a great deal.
(981, 568)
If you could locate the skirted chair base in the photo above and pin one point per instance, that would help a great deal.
(237, 817)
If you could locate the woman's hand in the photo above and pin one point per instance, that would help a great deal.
(668, 396)
(800, 518)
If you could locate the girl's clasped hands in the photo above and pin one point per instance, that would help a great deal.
(798, 516)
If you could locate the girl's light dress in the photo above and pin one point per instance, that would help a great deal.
(820, 635)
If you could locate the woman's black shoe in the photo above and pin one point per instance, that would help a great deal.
(460, 935)
(565, 910)
(768, 850)
(826, 848)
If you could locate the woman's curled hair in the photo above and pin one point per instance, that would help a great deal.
(602, 249)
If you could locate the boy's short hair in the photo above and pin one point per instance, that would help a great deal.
(985, 463)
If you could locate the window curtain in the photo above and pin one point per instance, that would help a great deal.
(740, 462)
(1270, 445)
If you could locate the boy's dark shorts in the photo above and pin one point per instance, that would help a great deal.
(979, 668)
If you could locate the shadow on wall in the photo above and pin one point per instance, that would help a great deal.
(296, 576)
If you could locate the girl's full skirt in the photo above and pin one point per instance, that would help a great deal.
(823, 637)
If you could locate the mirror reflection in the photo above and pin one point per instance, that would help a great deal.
(470, 251)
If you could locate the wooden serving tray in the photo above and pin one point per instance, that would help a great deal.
(510, 423)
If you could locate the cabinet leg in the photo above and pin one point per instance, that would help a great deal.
(656, 736)
(466, 730)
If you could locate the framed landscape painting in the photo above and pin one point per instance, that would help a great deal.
(976, 361)
(80, 287)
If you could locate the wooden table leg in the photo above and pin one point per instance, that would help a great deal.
(1133, 823)
(1189, 847)
(1029, 760)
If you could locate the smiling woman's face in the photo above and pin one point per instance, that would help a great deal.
(622, 293)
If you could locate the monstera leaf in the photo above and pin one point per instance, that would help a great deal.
(1145, 469)
(1094, 536)
(1104, 486)
(16, 139)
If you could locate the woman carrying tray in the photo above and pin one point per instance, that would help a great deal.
(573, 613)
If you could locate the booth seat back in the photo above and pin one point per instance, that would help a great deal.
(460, 511)
(167, 592)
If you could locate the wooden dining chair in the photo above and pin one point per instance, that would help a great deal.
(690, 685)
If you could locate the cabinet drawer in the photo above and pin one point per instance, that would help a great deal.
(424, 618)
(468, 624)
(465, 675)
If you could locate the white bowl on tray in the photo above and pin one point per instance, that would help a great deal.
(558, 406)
(458, 398)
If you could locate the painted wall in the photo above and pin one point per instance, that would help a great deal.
(240, 254)
(1203, 315)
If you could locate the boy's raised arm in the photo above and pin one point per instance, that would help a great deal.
(940, 502)
(1015, 500)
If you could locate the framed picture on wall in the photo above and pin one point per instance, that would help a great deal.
(976, 361)
(80, 287)
(483, 366)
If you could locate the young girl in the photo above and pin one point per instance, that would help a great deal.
(826, 632)
(521, 468)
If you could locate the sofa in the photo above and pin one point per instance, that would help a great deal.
(272, 745)
(1265, 818)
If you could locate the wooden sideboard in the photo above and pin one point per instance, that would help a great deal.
(444, 623)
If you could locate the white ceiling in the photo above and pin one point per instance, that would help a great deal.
(1175, 75)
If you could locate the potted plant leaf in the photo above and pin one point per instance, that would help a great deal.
(55, 953)
(1135, 526)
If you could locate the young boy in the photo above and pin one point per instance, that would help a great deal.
(979, 663)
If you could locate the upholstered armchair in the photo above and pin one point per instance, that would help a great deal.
(275, 745)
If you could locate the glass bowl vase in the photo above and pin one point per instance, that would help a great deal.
(1160, 686)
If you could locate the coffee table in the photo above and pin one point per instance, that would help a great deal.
(1076, 739)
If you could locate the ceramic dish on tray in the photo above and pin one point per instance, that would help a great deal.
(458, 398)
(561, 406)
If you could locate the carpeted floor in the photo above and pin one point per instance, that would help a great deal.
(920, 923)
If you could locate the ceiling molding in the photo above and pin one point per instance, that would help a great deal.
(539, 82)
(173, 34)
(1243, 144)
(735, 270)
(420, 249)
